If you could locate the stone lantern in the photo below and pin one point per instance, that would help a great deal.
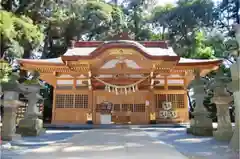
(222, 99)
(31, 125)
(235, 85)
(201, 125)
(10, 102)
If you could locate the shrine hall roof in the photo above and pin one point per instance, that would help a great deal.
(59, 60)
(91, 49)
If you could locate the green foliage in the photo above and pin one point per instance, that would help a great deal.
(183, 20)
(33, 81)
(5, 71)
(201, 50)
(17, 32)
(222, 46)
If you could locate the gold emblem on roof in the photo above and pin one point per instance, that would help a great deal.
(120, 53)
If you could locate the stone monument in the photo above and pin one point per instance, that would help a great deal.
(235, 73)
(201, 124)
(31, 125)
(222, 99)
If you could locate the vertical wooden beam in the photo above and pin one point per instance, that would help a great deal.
(74, 83)
(53, 105)
(94, 106)
(165, 83)
(89, 80)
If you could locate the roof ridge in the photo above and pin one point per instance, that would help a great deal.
(160, 44)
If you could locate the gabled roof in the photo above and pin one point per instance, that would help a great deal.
(153, 50)
(90, 50)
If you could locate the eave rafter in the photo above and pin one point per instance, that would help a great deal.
(77, 66)
(164, 68)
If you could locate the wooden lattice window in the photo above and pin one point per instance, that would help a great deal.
(69, 101)
(160, 98)
(60, 100)
(139, 107)
(125, 107)
(117, 107)
(81, 101)
(131, 107)
(177, 100)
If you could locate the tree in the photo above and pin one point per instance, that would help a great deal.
(200, 48)
(183, 20)
(17, 32)
(227, 13)
(160, 16)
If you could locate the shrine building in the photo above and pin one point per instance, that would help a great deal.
(120, 82)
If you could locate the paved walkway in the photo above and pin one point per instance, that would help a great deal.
(106, 144)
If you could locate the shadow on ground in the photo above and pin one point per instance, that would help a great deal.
(189, 145)
(49, 137)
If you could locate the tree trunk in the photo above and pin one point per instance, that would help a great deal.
(46, 43)
(163, 33)
(2, 49)
(26, 55)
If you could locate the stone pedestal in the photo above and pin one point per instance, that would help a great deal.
(222, 99)
(31, 125)
(9, 118)
(9, 123)
(201, 124)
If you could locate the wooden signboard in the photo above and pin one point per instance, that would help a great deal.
(105, 107)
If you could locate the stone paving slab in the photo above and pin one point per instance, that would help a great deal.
(104, 144)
